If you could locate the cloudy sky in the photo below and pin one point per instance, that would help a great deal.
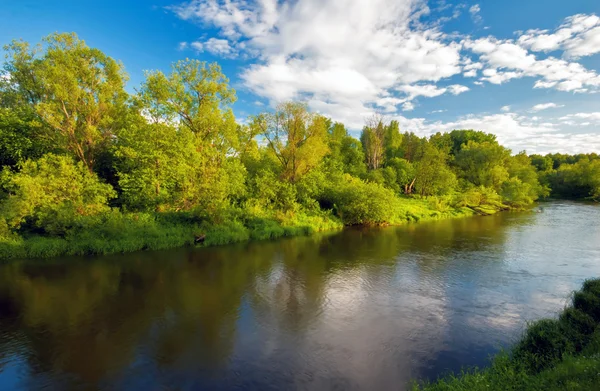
(528, 71)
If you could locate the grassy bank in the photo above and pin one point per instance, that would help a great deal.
(117, 232)
(553, 354)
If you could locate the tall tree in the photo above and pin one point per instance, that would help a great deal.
(197, 96)
(76, 91)
(297, 137)
(373, 141)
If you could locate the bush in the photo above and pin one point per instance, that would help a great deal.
(51, 193)
(358, 202)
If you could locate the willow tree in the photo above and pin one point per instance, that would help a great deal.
(76, 91)
(297, 137)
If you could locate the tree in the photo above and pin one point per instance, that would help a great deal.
(373, 141)
(433, 177)
(51, 193)
(460, 138)
(392, 141)
(76, 91)
(184, 157)
(345, 152)
(197, 96)
(483, 164)
(411, 146)
(296, 137)
(405, 174)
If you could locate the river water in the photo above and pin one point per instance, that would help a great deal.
(365, 309)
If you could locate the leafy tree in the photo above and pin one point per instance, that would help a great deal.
(345, 152)
(392, 141)
(483, 164)
(373, 142)
(297, 137)
(197, 96)
(411, 146)
(76, 91)
(51, 193)
(405, 174)
(541, 163)
(462, 137)
(433, 176)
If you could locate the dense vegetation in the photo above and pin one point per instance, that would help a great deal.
(89, 168)
(553, 354)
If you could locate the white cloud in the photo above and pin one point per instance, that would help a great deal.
(505, 108)
(474, 11)
(408, 106)
(216, 46)
(581, 119)
(578, 36)
(182, 46)
(505, 60)
(303, 51)
(457, 89)
(545, 106)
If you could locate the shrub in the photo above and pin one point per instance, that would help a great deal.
(51, 193)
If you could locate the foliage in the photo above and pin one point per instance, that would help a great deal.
(51, 193)
(77, 92)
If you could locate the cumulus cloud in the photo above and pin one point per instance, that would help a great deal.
(545, 106)
(578, 36)
(303, 51)
(505, 108)
(505, 60)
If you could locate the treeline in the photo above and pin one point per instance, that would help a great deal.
(89, 168)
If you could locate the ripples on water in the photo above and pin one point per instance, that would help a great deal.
(361, 309)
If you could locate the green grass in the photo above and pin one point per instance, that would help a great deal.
(553, 354)
(117, 232)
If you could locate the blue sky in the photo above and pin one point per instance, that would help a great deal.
(525, 70)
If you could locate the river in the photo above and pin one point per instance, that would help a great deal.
(364, 309)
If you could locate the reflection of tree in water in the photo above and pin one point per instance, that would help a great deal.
(178, 311)
(89, 319)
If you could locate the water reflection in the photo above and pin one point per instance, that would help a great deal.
(360, 309)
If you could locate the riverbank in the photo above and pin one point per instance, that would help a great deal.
(117, 232)
(553, 354)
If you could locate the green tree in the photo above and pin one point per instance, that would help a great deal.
(373, 142)
(76, 91)
(295, 136)
(197, 96)
(462, 137)
(433, 176)
(483, 164)
(52, 193)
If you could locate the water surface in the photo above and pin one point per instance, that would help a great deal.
(364, 309)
